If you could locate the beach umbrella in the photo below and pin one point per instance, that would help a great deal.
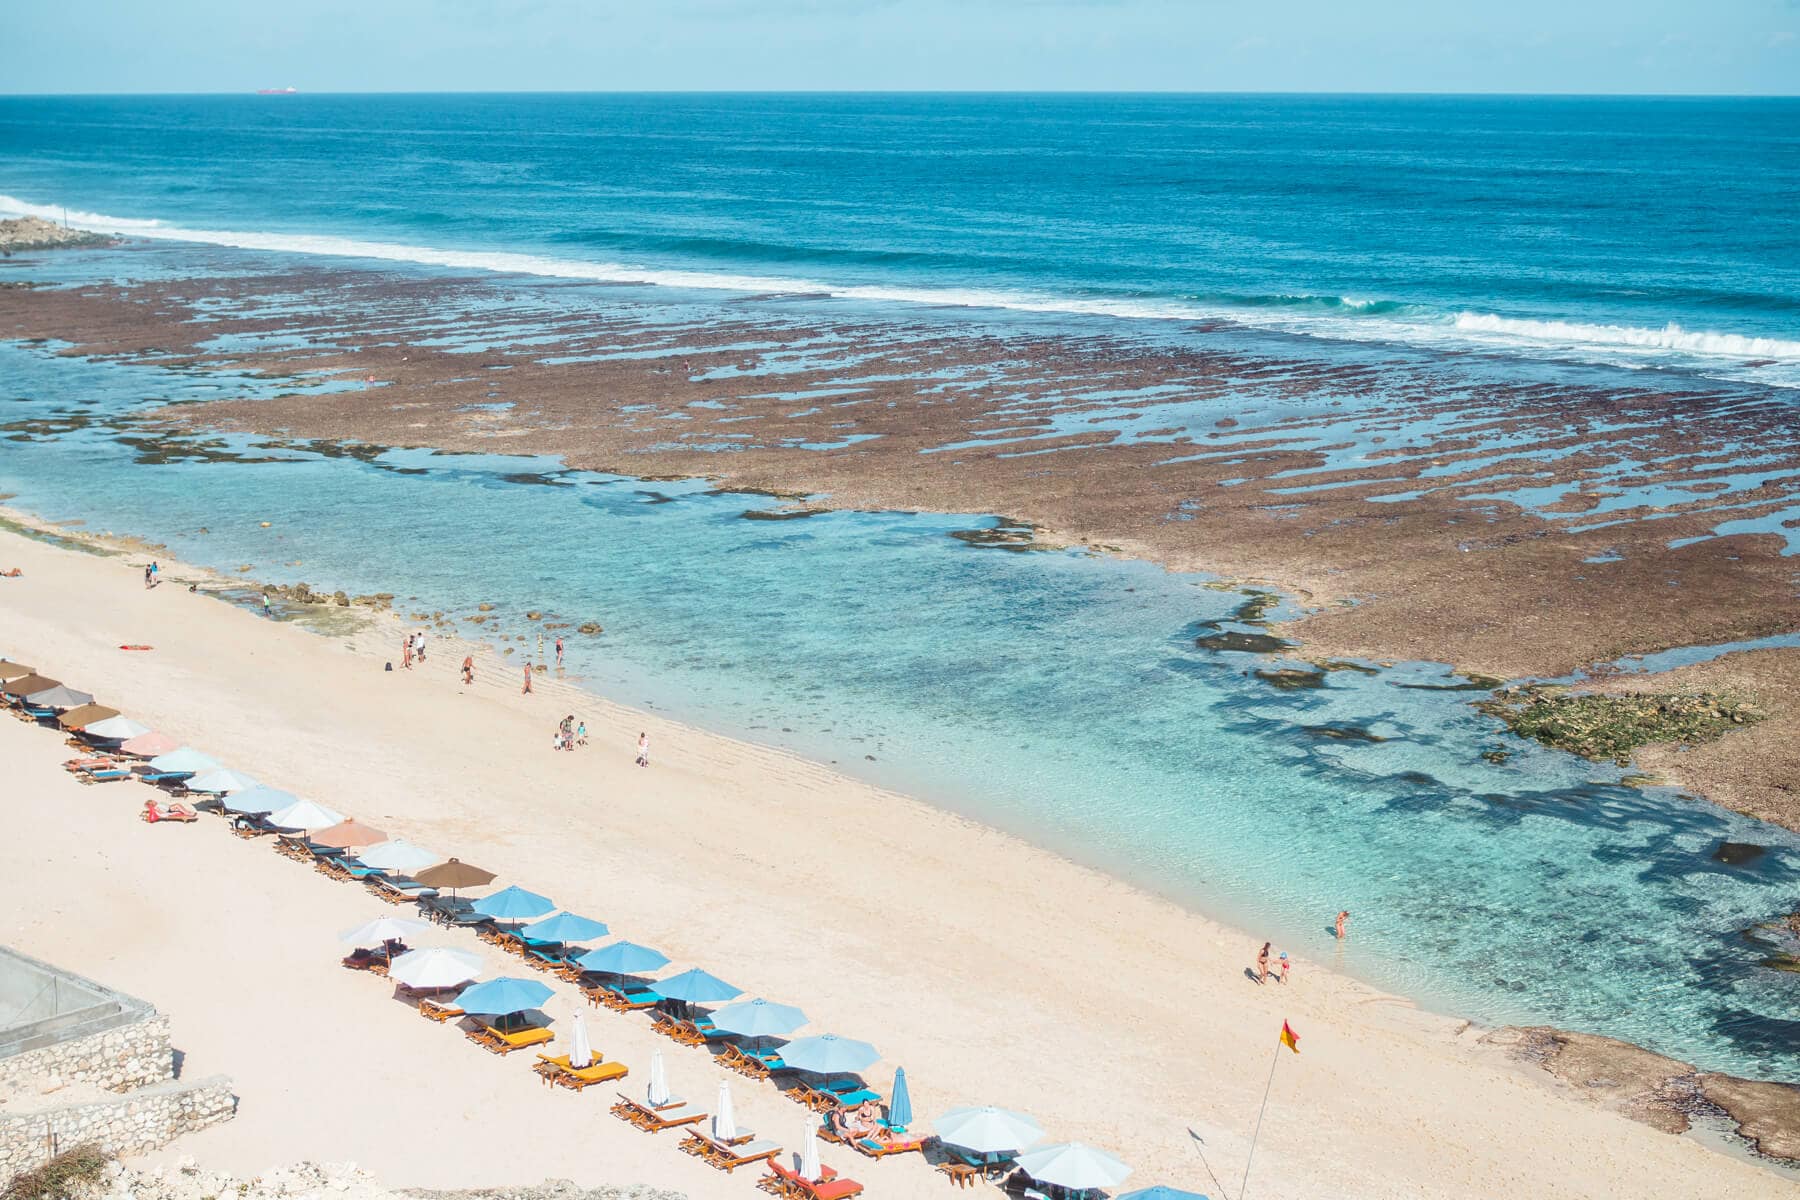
(85, 716)
(581, 1052)
(724, 1123)
(564, 927)
(828, 1054)
(623, 958)
(758, 1018)
(1075, 1166)
(988, 1130)
(697, 987)
(810, 1169)
(395, 855)
(149, 745)
(255, 801)
(657, 1094)
(1160, 1192)
(184, 758)
(221, 780)
(454, 874)
(24, 685)
(381, 930)
(10, 671)
(347, 833)
(900, 1113)
(59, 696)
(115, 729)
(305, 814)
(506, 994)
(513, 903)
(435, 967)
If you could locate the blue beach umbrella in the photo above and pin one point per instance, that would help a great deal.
(698, 987)
(623, 958)
(258, 800)
(186, 758)
(1160, 1192)
(564, 927)
(498, 997)
(758, 1018)
(900, 1106)
(828, 1054)
(513, 904)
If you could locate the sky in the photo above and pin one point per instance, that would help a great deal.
(1611, 46)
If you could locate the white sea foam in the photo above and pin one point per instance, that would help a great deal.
(1356, 318)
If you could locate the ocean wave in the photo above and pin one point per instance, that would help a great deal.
(1332, 317)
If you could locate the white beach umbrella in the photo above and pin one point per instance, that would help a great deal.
(435, 967)
(581, 1051)
(988, 1130)
(258, 799)
(724, 1119)
(382, 929)
(116, 729)
(1074, 1165)
(657, 1094)
(221, 780)
(398, 855)
(809, 1156)
(305, 814)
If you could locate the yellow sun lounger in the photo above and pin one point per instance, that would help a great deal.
(506, 1041)
(555, 1070)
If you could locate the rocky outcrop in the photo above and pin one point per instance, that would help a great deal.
(35, 233)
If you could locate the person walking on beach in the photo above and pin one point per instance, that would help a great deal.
(148, 581)
(468, 668)
(419, 641)
(406, 652)
(1262, 964)
(581, 734)
(559, 653)
(526, 690)
(1343, 925)
(643, 758)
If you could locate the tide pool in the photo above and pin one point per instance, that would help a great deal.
(1057, 695)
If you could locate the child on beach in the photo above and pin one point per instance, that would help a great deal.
(468, 668)
(581, 734)
(406, 652)
(643, 758)
(419, 644)
(1286, 965)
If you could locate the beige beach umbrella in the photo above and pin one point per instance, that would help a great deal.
(347, 833)
(13, 670)
(85, 715)
(454, 874)
(25, 685)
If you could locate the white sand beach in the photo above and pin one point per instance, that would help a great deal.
(992, 971)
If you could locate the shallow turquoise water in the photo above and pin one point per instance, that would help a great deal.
(1057, 695)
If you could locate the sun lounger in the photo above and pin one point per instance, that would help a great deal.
(160, 778)
(92, 762)
(729, 1157)
(655, 1120)
(681, 1031)
(367, 960)
(874, 1147)
(431, 1010)
(504, 1041)
(605, 995)
(179, 813)
(397, 889)
(744, 1062)
(103, 775)
(555, 1070)
(831, 1186)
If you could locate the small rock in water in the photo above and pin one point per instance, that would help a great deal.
(1736, 854)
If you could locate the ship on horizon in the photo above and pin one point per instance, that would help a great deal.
(287, 91)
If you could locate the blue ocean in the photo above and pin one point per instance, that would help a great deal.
(1061, 696)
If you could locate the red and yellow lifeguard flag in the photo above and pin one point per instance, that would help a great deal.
(1289, 1038)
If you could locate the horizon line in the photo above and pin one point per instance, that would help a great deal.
(673, 91)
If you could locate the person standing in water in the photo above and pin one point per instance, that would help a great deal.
(643, 757)
(526, 690)
(559, 653)
(1343, 925)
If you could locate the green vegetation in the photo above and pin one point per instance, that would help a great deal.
(1598, 726)
(74, 1172)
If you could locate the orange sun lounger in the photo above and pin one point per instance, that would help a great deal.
(831, 1186)
(556, 1071)
(431, 1010)
(502, 1041)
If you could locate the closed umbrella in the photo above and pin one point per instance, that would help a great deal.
(497, 997)
(1075, 1166)
(988, 1130)
(149, 745)
(397, 854)
(697, 987)
(810, 1170)
(255, 801)
(219, 781)
(116, 729)
(305, 814)
(657, 1094)
(623, 958)
(564, 927)
(724, 1122)
(382, 930)
(184, 758)
(513, 903)
(435, 967)
(58, 696)
(581, 1052)
(900, 1112)
(758, 1018)
(85, 716)
(347, 833)
(24, 685)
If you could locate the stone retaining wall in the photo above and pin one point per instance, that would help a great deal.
(128, 1124)
(131, 1056)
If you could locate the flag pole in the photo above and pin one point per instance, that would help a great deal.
(1259, 1118)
